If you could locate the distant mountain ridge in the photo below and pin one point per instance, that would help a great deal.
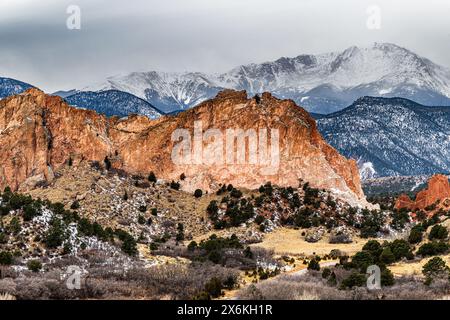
(322, 83)
(109, 102)
(113, 103)
(9, 87)
(391, 136)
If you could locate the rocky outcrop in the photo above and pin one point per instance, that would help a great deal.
(437, 192)
(278, 142)
(314, 234)
(341, 234)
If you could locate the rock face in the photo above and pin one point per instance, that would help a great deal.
(437, 192)
(279, 143)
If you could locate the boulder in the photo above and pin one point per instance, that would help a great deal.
(314, 234)
(341, 234)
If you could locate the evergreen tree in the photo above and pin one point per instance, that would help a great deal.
(152, 177)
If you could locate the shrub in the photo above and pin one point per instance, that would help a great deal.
(235, 193)
(18, 201)
(314, 265)
(180, 234)
(259, 219)
(154, 212)
(182, 177)
(107, 163)
(215, 256)
(57, 208)
(67, 248)
(400, 219)
(387, 278)
(326, 273)
(198, 193)
(415, 236)
(371, 223)
(362, 260)
(75, 205)
(3, 238)
(435, 267)
(99, 232)
(374, 247)
(141, 219)
(129, 245)
(85, 227)
(438, 232)
(214, 287)
(152, 177)
(387, 256)
(432, 248)
(34, 265)
(30, 211)
(175, 185)
(212, 210)
(353, 280)
(248, 253)
(202, 296)
(14, 226)
(262, 227)
(215, 246)
(55, 235)
(230, 282)
(5, 209)
(6, 258)
(192, 246)
(401, 249)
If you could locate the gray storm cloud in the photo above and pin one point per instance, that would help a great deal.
(199, 35)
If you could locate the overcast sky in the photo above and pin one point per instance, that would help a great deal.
(119, 36)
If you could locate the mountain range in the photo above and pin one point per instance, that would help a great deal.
(322, 83)
(391, 136)
(113, 103)
(387, 136)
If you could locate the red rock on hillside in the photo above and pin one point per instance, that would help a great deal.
(437, 192)
(39, 133)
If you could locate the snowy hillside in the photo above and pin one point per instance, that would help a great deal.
(322, 83)
(391, 136)
(167, 91)
(9, 87)
(113, 102)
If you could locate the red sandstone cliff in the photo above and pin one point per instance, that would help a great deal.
(39, 133)
(437, 192)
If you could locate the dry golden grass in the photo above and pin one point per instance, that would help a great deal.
(413, 268)
(290, 241)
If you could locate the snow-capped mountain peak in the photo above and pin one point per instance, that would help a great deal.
(331, 81)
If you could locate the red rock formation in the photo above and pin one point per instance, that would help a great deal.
(437, 192)
(39, 133)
